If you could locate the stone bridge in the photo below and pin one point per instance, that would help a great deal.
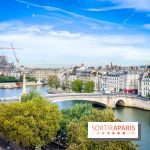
(109, 100)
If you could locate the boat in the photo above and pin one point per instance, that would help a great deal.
(19, 84)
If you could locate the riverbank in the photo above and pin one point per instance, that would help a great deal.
(11, 85)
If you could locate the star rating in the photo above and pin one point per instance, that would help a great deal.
(113, 133)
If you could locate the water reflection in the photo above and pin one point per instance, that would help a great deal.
(18, 91)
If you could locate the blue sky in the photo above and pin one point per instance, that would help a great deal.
(95, 32)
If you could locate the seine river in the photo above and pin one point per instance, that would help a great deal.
(125, 114)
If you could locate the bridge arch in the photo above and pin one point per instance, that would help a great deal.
(92, 100)
(98, 103)
(120, 102)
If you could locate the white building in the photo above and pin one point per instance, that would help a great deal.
(119, 82)
(109, 83)
(145, 85)
(131, 83)
(144, 82)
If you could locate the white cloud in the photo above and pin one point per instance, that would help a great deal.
(42, 45)
(33, 15)
(141, 5)
(72, 17)
(49, 8)
(146, 26)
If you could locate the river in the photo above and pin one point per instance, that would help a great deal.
(125, 114)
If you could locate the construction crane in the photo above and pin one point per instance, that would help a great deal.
(21, 68)
(17, 60)
(12, 48)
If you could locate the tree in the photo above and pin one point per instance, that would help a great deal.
(31, 123)
(65, 84)
(4, 79)
(148, 95)
(89, 87)
(30, 96)
(31, 79)
(53, 81)
(77, 86)
(75, 121)
(73, 113)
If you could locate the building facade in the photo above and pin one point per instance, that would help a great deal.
(145, 85)
(42, 73)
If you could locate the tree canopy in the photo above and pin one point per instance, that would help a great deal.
(30, 96)
(74, 126)
(77, 86)
(148, 96)
(31, 79)
(53, 81)
(30, 123)
(89, 87)
(5, 79)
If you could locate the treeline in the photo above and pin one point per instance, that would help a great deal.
(6, 79)
(35, 122)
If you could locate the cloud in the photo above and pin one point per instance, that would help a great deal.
(146, 26)
(39, 6)
(73, 18)
(49, 8)
(139, 5)
(33, 15)
(41, 44)
(105, 8)
(19, 27)
(128, 18)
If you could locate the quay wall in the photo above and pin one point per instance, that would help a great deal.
(11, 85)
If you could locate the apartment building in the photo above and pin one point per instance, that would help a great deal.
(118, 82)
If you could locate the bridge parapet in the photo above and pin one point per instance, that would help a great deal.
(108, 100)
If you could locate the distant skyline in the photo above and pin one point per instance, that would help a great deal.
(94, 32)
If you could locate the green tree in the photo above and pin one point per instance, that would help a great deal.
(148, 95)
(30, 96)
(75, 124)
(70, 114)
(4, 79)
(31, 79)
(53, 81)
(29, 124)
(65, 84)
(77, 86)
(89, 87)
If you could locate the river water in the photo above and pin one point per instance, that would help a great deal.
(125, 114)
